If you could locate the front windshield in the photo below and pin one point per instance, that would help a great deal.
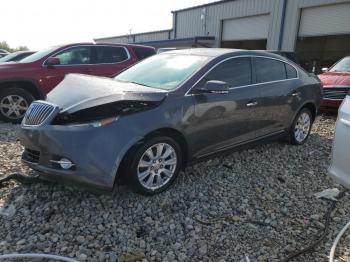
(38, 55)
(164, 71)
(342, 66)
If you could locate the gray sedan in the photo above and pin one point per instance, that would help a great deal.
(164, 113)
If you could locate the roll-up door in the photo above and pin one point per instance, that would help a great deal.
(246, 28)
(325, 20)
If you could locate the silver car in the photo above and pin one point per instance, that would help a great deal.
(340, 166)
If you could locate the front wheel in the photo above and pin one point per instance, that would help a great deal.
(301, 127)
(14, 103)
(154, 165)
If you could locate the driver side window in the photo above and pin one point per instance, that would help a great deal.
(235, 72)
(75, 56)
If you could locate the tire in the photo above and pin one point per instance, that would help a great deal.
(301, 127)
(151, 175)
(13, 104)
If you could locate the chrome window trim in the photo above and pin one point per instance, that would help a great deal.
(53, 55)
(243, 86)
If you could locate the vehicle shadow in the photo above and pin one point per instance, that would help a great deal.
(255, 198)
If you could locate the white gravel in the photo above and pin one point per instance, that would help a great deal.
(257, 202)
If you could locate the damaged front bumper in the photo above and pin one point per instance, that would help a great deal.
(95, 152)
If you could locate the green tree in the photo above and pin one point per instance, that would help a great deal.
(5, 45)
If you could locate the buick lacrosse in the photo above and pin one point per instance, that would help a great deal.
(164, 113)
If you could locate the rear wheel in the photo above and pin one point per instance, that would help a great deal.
(301, 127)
(154, 166)
(14, 102)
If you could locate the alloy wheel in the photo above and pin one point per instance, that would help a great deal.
(157, 166)
(13, 106)
(302, 127)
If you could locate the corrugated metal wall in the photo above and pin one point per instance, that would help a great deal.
(207, 21)
(152, 36)
(294, 8)
(113, 40)
(190, 22)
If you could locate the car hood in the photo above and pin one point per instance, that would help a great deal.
(335, 78)
(78, 92)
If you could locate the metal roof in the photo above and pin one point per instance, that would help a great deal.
(201, 6)
(130, 35)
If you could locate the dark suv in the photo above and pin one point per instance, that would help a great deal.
(34, 76)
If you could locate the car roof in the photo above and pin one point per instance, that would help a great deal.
(212, 52)
(218, 52)
(103, 44)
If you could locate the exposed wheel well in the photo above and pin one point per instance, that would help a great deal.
(26, 85)
(312, 108)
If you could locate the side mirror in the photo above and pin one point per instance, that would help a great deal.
(52, 61)
(324, 69)
(213, 87)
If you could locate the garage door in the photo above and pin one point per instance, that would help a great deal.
(246, 28)
(325, 20)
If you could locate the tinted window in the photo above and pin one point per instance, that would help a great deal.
(75, 56)
(235, 72)
(269, 70)
(291, 72)
(110, 54)
(142, 53)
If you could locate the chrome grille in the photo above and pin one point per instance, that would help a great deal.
(336, 93)
(37, 113)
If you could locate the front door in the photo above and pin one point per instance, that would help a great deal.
(72, 60)
(224, 120)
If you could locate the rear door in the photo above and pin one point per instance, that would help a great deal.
(224, 120)
(275, 80)
(110, 60)
(75, 59)
(340, 166)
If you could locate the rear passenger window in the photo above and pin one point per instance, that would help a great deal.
(291, 72)
(110, 54)
(268, 70)
(235, 72)
(142, 53)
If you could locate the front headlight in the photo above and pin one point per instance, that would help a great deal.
(98, 123)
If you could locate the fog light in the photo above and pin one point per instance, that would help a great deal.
(64, 163)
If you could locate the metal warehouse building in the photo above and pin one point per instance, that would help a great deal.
(318, 30)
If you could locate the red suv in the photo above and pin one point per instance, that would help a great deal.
(34, 76)
(336, 84)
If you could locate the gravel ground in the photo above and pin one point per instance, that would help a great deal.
(257, 202)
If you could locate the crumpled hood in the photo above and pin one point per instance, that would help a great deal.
(335, 79)
(77, 92)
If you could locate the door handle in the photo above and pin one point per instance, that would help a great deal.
(252, 104)
(296, 94)
(345, 122)
(88, 70)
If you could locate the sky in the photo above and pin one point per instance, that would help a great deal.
(41, 23)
